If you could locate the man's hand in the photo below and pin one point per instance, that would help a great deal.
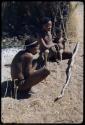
(34, 66)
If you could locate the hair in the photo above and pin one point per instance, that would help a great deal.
(30, 41)
(45, 20)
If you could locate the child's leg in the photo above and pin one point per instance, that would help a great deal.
(46, 53)
(60, 54)
(40, 60)
(53, 53)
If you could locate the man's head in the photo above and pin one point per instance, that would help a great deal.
(31, 45)
(46, 24)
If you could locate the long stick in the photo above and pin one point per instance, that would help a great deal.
(68, 71)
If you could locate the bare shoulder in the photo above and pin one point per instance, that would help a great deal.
(27, 56)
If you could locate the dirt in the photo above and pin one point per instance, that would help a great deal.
(40, 107)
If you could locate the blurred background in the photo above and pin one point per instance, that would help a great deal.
(21, 19)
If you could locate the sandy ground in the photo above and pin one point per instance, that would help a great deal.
(40, 107)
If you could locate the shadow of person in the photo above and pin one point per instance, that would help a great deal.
(7, 90)
(65, 56)
(41, 62)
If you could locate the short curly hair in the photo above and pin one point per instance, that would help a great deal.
(45, 20)
(31, 42)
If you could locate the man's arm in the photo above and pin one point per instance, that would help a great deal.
(27, 60)
(16, 71)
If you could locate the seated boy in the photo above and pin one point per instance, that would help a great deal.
(46, 42)
(45, 39)
(23, 72)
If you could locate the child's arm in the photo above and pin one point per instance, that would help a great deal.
(45, 45)
(61, 40)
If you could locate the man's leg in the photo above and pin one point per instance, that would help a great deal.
(35, 78)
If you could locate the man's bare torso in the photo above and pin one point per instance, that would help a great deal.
(21, 65)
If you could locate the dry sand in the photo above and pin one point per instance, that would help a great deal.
(40, 107)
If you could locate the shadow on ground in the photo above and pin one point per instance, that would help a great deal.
(7, 90)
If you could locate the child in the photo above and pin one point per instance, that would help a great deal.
(45, 39)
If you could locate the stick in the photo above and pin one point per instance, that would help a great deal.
(68, 71)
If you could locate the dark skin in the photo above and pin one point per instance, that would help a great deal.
(46, 41)
(60, 46)
(57, 47)
(22, 68)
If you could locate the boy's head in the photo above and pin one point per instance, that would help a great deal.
(46, 24)
(31, 45)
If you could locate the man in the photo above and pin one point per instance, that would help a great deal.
(23, 73)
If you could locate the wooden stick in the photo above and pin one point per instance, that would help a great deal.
(68, 71)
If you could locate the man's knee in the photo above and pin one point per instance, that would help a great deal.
(46, 71)
(43, 71)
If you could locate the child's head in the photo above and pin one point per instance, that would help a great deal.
(46, 24)
(31, 45)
